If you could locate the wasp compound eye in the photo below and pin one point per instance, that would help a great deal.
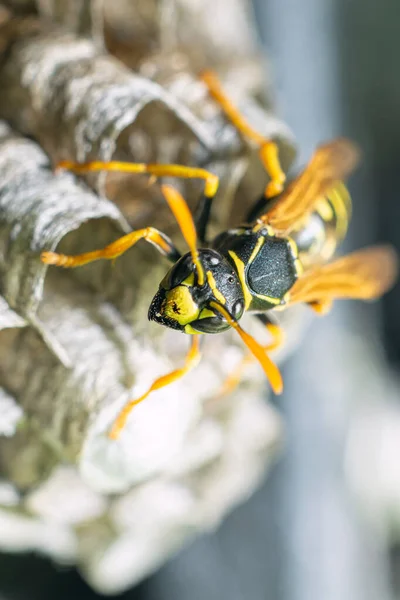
(180, 272)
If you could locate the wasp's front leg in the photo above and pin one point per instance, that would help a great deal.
(115, 249)
(192, 359)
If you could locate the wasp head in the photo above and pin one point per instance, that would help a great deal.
(182, 304)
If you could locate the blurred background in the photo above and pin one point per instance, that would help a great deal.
(325, 523)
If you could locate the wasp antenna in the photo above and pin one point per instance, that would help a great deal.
(270, 369)
(186, 224)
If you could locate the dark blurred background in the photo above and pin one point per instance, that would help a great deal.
(302, 536)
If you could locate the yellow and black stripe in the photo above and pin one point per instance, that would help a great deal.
(319, 236)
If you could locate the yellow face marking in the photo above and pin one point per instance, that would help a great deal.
(215, 290)
(242, 278)
(180, 306)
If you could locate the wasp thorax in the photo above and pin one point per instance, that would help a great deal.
(182, 304)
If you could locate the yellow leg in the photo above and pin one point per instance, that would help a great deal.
(192, 359)
(268, 149)
(112, 251)
(270, 369)
(321, 307)
(233, 380)
(155, 170)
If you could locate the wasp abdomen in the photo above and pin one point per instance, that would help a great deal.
(318, 238)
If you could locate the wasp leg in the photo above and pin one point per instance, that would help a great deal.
(233, 380)
(115, 249)
(202, 217)
(321, 307)
(268, 150)
(274, 329)
(256, 209)
(155, 170)
(192, 359)
(260, 207)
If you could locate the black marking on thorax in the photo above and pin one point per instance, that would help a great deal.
(272, 272)
(269, 264)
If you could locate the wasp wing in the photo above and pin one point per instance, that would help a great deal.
(366, 274)
(331, 162)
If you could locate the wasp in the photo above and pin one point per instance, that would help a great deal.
(280, 257)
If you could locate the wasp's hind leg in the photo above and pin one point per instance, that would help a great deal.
(115, 249)
(233, 380)
(268, 150)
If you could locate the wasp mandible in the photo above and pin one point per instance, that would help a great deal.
(279, 258)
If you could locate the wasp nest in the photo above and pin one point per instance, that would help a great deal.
(83, 80)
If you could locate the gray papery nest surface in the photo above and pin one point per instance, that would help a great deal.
(76, 345)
